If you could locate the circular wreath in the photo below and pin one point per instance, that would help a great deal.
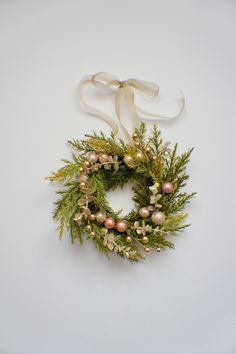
(101, 164)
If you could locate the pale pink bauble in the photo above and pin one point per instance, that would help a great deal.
(103, 158)
(92, 157)
(144, 212)
(109, 223)
(100, 217)
(121, 226)
(83, 178)
(167, 187)
(158, 218)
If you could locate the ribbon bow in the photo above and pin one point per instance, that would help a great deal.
(123, 90)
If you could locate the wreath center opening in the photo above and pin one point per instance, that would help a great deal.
(121, 199)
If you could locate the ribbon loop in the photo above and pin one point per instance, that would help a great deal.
(105, 80)
(123, 90)
(147, 88)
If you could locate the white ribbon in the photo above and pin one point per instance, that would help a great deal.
(126, 90)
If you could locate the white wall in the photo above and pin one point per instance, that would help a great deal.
(61, 298)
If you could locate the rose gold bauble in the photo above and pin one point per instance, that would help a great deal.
(167, 187)
(121, 226)
(109, 223)
(100, 217)
(144, 212)
(103, 158)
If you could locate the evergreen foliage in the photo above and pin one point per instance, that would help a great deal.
(78, 202)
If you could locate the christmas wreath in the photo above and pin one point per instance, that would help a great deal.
(100, 164)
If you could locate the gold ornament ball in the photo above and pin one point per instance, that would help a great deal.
(154, 158)
(92, 233)
(144, 212)
(147, 249)
(87, 164)
(147, 149)
(135, 136)
(145, 239)
(137, 144)
(81, 169)
(139, 155)
(158, 249)
(158, 218)
(88, 228)
(95, 169)
(100, 217)
(82, 184)
(128, 239)
(92, 217)
(128, 159)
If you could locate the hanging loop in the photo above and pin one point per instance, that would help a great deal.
(123, 90)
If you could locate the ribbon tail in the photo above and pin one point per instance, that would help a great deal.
(130, 101)
(161, 116)
(89, 80)
(118, 99)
